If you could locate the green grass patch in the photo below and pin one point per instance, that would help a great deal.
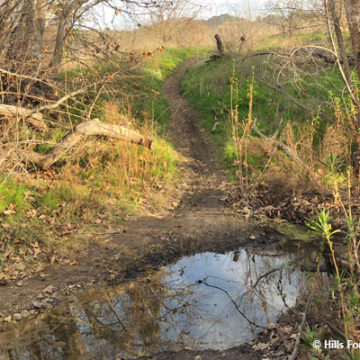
(150, 99)
(12, 192)
(207, 87)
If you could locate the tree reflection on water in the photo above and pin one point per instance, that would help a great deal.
(205, 301)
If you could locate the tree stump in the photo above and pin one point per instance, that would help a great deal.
(220, 45)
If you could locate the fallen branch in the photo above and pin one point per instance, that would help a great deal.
(301, 329)
(309, 50)
(286, 94)
(312, 176)
(265, 53)
(22, 76)
(34, 118)
(61, 100)
(89, 128)
(298, 338)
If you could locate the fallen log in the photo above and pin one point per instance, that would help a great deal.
(34, 118)
(88, 128)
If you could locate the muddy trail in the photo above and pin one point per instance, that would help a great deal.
(199, 219)
(196, 218)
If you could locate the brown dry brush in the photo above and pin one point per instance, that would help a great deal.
(49, 136)
(292, 68)
(35, 102)
(279, 190)
(27, 127)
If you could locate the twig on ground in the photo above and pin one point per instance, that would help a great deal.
(301, 328)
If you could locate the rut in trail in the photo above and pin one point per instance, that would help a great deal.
(202, 210)
(200, 166)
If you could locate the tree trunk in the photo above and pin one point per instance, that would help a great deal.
(24, 33)
(353, 18)
(41, 12)
(29, 31)
(340, 40)
(60, 38)
(220, 45)
(28, 34)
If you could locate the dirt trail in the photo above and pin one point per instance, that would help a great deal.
(199, 221)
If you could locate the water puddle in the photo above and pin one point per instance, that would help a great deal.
(205, 301)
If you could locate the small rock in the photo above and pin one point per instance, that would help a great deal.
(261, 346)
(7, 318)
(36, 304)
(198, 357)
(49, 289)
(20, 283)
(252, 237)
(25, 313)
(39, 304)
(17, 317)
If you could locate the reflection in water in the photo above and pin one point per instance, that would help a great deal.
(206, 301)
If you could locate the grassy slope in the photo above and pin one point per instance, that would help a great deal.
(207, 86)
(99, 176)
(156, 70)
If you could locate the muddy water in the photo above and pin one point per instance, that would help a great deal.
(205, 301)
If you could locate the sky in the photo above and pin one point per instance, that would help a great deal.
(238, 7)
(209, 8)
